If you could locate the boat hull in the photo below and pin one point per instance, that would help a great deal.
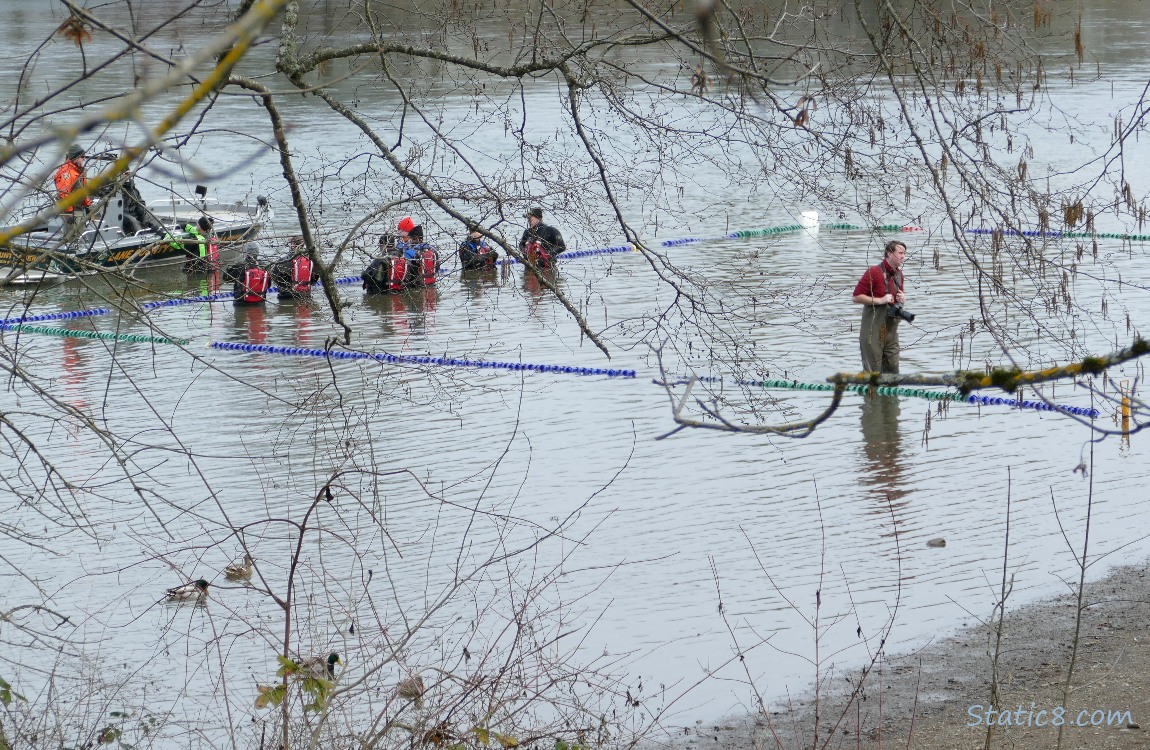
(44, 253)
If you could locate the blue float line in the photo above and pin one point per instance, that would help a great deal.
(230, 295)
(1036, 405)
(1015, 233)
(741, 234)
(1058, 234)
(446, 361)
(187, 300)
(57, 316)
(897, 391)
(597, 251)
(575, 254)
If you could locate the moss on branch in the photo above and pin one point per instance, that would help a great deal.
(1004, 378)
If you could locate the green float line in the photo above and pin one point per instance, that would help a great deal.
(879, 228)
(763, 232)
(70, 333)
(884, 390)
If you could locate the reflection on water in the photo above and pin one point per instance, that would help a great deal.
(208, 283)
(478, 282)
(75, 366)
(406, 314)
(884, 482)
(666, 511)
(305, 326)
(536, 292)
(251, 323)
(882, 442)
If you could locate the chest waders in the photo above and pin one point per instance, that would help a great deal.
(878, 340)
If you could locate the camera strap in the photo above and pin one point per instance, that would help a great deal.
(899, 280)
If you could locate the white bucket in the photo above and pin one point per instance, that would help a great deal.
(809, 220)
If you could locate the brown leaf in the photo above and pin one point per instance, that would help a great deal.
(437, 735)
(73, 29)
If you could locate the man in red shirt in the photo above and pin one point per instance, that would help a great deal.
(879, 288)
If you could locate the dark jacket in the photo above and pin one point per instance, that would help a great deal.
(293, 275)
(475, 253)
(136, 213)
(549, 238)
(236, 270)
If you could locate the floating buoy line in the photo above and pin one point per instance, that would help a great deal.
(887, 390)
(1055, 234)
(57, 316)
(74, 333)
(931, 395)
(573, 254)
(481, 364)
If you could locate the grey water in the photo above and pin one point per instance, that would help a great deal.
(462, 463)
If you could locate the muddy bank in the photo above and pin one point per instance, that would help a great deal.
(939, 697)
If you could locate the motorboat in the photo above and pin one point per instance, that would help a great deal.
(122, 231)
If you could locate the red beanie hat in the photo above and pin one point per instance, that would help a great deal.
(406, 224)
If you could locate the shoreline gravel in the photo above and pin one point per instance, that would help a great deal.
(927, 695)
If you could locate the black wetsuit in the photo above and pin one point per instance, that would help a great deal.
(549, 239)
(476, 253)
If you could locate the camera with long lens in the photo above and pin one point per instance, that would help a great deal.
(897, 311)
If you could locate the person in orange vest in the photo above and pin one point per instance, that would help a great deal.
(70, 176)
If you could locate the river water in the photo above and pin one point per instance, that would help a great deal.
(674, 555)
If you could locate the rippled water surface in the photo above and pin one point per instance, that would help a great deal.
(676, 554)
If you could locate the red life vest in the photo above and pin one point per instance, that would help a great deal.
(213, 251)
(427, 266)
(300, 273)
(255, 285)
(396, 275)
(537, 254)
